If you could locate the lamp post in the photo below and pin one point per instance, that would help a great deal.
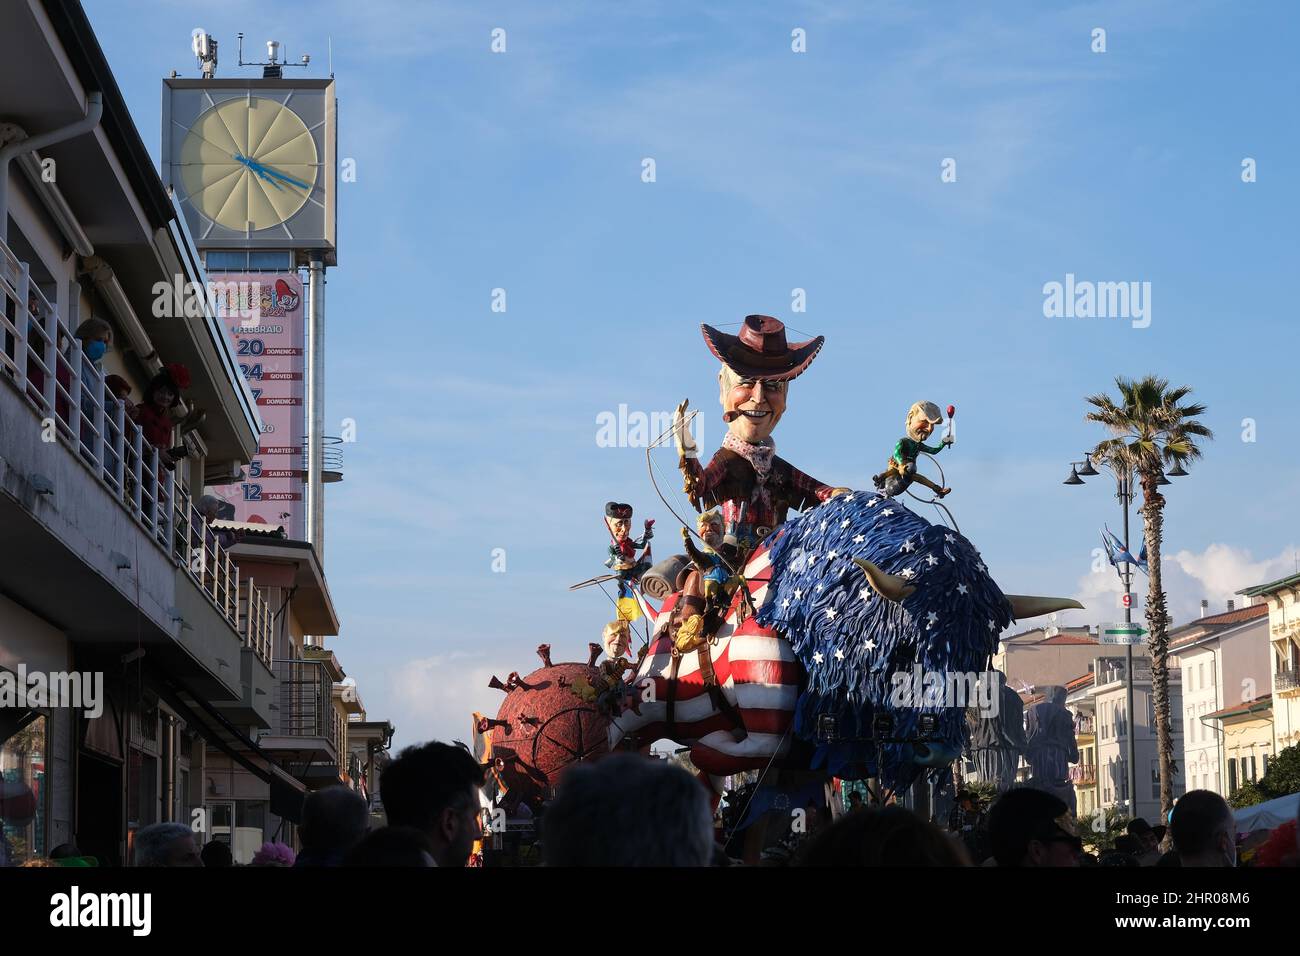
(1124, 492)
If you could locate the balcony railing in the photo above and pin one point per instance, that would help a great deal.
(1084, 725)
(1083, 775)
(307, 702)
(255, 620)
(43, 360)
(1287, 680)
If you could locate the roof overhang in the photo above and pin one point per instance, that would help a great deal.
(312, 604)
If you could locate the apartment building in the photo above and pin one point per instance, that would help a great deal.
(1223, 660)
(1282, 598)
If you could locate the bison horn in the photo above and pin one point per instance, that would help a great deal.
(1031, 605)
(891, 587)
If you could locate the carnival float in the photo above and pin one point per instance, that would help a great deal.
(774, 642)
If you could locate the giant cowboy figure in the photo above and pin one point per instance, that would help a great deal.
(754, 488)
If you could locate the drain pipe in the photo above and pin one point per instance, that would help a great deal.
(94, 110)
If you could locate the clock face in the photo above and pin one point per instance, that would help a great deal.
(248, 163)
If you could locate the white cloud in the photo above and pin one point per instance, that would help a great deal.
(434, 698)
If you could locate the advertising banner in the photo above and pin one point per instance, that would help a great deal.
(263, 314)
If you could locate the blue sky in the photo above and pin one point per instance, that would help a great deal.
(775, 171)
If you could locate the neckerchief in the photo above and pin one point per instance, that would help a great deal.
(759, 456)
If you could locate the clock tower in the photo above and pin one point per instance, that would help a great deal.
(252, 164)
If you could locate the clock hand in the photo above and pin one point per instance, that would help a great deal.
(288, 179)
(259, 169)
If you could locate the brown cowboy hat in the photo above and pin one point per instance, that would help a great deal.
(760, 350)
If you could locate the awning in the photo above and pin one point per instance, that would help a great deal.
(213, 726)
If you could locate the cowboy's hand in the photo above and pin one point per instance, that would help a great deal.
(686, 533)
(836, 492)
(947, 440)
(682, 433)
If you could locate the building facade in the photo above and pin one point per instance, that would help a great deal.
(1282, 597)
(1223, 660)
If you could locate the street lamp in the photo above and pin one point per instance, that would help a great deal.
(1124, 492)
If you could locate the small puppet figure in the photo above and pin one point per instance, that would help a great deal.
(900, 471)
(622, 559)
(715, 562)
(609, 689)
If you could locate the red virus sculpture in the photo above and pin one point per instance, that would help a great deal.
(543, 727)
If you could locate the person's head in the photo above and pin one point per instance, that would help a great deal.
(710, 528)
(616, 638)
(889, 836)
(164, 389)
(96, 336)
(855, 800)
(165, 844)
(209, 506)
(118, 387)
(217, 854)
(751, 406)
(921, 419)
(392, 846)
(628, 810)
(1026, 829)
(333, 820)
(1129, 844)
(1203, 830)
(273, 854)
(619, 519)
(434, 788)
(1144, 833)
(65, 851)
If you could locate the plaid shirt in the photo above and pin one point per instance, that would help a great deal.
(729, 481)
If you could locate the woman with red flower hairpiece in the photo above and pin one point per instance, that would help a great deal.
(153, 415)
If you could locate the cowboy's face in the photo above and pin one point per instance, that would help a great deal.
(620, 527)
(760, 404)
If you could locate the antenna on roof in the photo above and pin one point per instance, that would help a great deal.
(205, 50)
(273, 66)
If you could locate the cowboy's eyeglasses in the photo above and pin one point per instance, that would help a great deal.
(768, 386)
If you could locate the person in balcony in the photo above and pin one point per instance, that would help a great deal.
(209, 506)
(96, 336)
(154, 414)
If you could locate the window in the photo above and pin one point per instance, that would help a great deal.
(240, 260)
(1191, 678)
(1232, 776)
(1202, 673)
(1155, 779)
(22, 767)
(1250, 762)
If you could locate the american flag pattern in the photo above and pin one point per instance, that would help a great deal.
(757, 673)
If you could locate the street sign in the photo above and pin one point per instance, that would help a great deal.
(1121, 634)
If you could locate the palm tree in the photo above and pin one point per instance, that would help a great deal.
(1150, 429)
